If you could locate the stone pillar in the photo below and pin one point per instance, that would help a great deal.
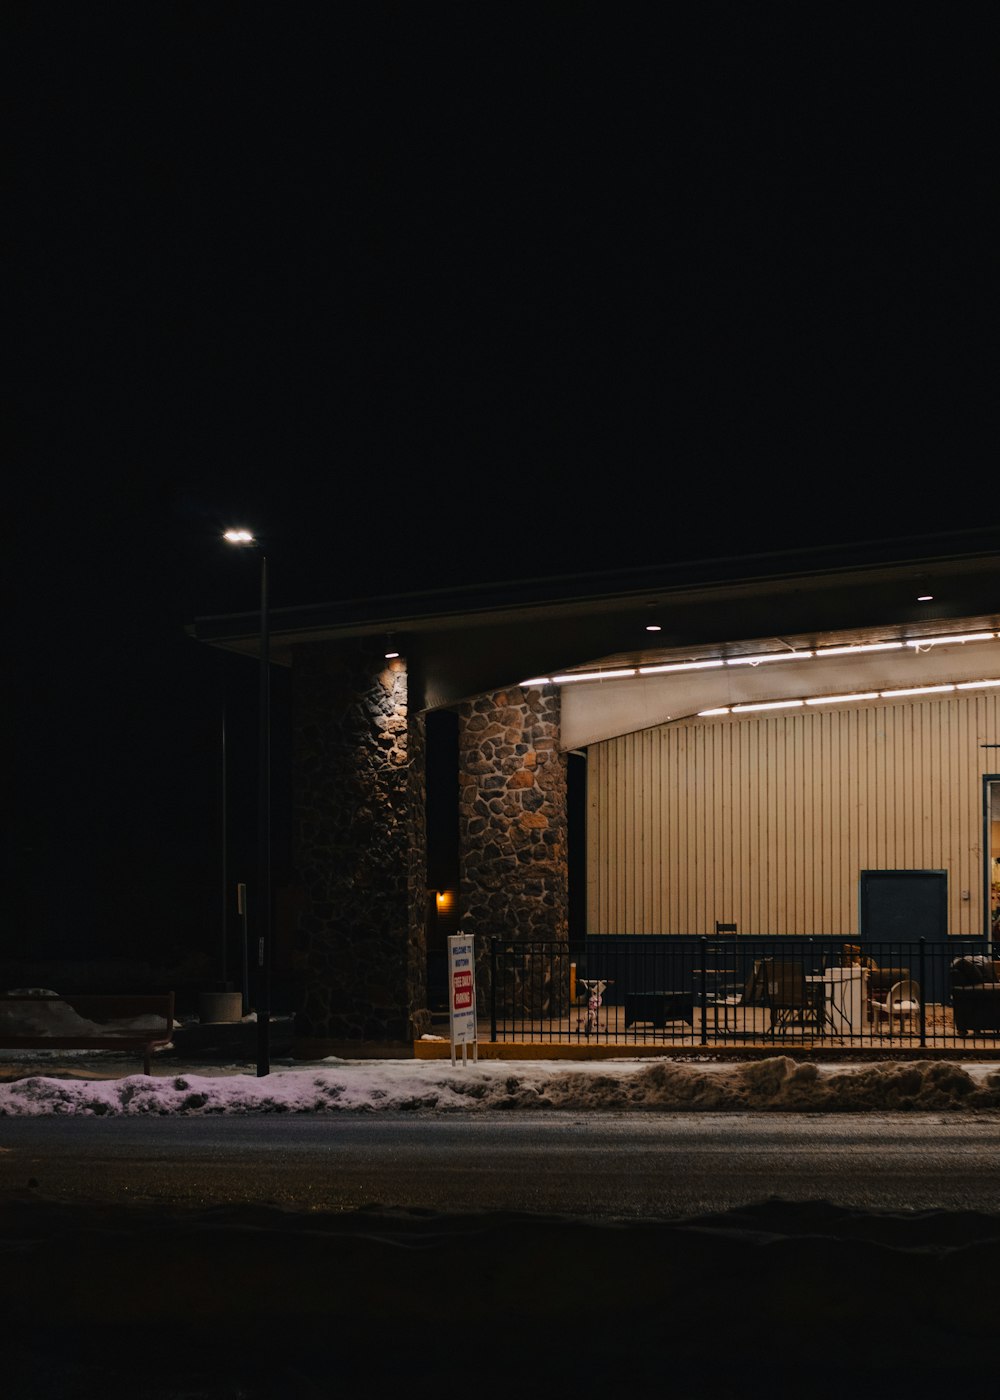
(512, 818)
(360, 847)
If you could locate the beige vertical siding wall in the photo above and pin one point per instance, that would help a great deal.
(766, 821)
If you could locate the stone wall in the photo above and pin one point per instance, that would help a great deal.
(360, 846)
(512, 817)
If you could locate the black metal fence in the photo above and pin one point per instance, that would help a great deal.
(742, 990)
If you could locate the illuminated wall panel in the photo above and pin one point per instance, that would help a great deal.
(766, 820)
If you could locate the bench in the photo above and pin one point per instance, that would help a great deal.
(658, 1008)
(86, 1022)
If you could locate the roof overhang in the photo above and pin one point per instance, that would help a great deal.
(460, 643)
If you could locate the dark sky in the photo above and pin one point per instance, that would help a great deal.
(449, 293)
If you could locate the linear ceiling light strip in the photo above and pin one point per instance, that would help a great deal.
(846, 699)
(564, 678)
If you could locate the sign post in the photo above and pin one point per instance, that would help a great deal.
(462, 996)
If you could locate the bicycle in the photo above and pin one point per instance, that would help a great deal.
(595, 988)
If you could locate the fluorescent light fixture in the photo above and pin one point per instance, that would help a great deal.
(680, 666)
(943, 641)
(768, 705)
(769, 656)
(865, 646)
(593, 676)
(916, 690)
(843, 699)
(974, 685)
(537, 680)
(722, 710)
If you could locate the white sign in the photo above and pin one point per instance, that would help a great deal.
(462, 994)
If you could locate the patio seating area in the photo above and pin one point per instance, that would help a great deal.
(749, 992)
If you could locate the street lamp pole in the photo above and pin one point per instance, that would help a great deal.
(263, 902)
(264, 835)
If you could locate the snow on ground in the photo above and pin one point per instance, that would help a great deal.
(257, 1302)
(370, 1086)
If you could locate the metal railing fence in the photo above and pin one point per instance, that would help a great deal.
(822, 990)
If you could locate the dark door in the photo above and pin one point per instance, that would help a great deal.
(902, 906)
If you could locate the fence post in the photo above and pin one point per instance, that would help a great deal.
(923, 996)
(493, 990)
(704, 991)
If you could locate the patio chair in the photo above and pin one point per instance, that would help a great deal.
(793, 1000)
(880, 982)
(733, 999)
(900, 1000)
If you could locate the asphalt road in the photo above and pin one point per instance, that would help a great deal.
(601, 1166)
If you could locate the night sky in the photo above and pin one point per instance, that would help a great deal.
(442, 294)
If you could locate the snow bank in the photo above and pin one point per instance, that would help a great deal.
(781, 1084)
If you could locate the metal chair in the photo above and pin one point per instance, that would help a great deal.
(732, 999)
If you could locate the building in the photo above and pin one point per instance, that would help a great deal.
(642, 753)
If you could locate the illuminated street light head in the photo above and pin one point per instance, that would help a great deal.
(239, 537)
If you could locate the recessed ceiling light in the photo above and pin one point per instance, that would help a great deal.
(925, 597)
(653, 627)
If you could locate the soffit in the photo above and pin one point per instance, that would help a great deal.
(463, 643)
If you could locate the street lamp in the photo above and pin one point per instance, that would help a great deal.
(246, 540)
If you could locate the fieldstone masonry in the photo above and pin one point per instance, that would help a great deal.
(361, 843)
(512, 828)
(360, 838)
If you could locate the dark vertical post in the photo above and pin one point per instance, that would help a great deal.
(704, 991)
(264, 837)
(493, 990)
(224, 964)
(923, 994)
(241, 909)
